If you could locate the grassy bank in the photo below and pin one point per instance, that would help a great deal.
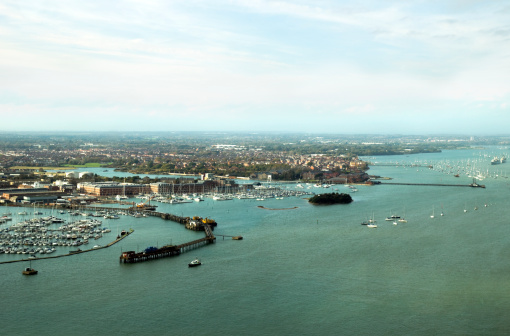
(64, 167)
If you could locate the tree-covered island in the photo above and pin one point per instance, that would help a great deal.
(331, 198)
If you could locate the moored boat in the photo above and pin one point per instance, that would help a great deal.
(29, 271)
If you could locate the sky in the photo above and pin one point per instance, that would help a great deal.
(321, 66)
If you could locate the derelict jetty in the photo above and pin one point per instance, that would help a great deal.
(151, 253)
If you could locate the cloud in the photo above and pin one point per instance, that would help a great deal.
(255, 57)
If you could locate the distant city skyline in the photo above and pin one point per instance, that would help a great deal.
(412, 67)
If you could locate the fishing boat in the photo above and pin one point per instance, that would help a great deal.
(194, 263)
(29, 270)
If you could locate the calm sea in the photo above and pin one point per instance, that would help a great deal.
(307, 271)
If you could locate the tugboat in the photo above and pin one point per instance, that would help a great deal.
(195, 263)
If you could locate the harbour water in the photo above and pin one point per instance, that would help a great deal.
(312, 270)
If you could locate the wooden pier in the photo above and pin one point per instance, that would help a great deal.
(168, 250)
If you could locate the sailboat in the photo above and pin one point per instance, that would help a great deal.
(402, 219)
(123, 196)
(29, 270)
(432, 216)
(371, 222)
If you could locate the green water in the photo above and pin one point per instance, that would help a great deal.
(308, 271)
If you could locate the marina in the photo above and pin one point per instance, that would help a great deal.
(39, 237)
(32, 257)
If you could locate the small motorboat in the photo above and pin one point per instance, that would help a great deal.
(195, 263)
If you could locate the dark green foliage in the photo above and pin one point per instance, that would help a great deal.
(332, 198)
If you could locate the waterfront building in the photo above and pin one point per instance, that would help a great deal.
(9, 192)
(199, 187)
(39, 195)
(113, 188)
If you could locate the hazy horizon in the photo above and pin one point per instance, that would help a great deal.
(344, 67)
